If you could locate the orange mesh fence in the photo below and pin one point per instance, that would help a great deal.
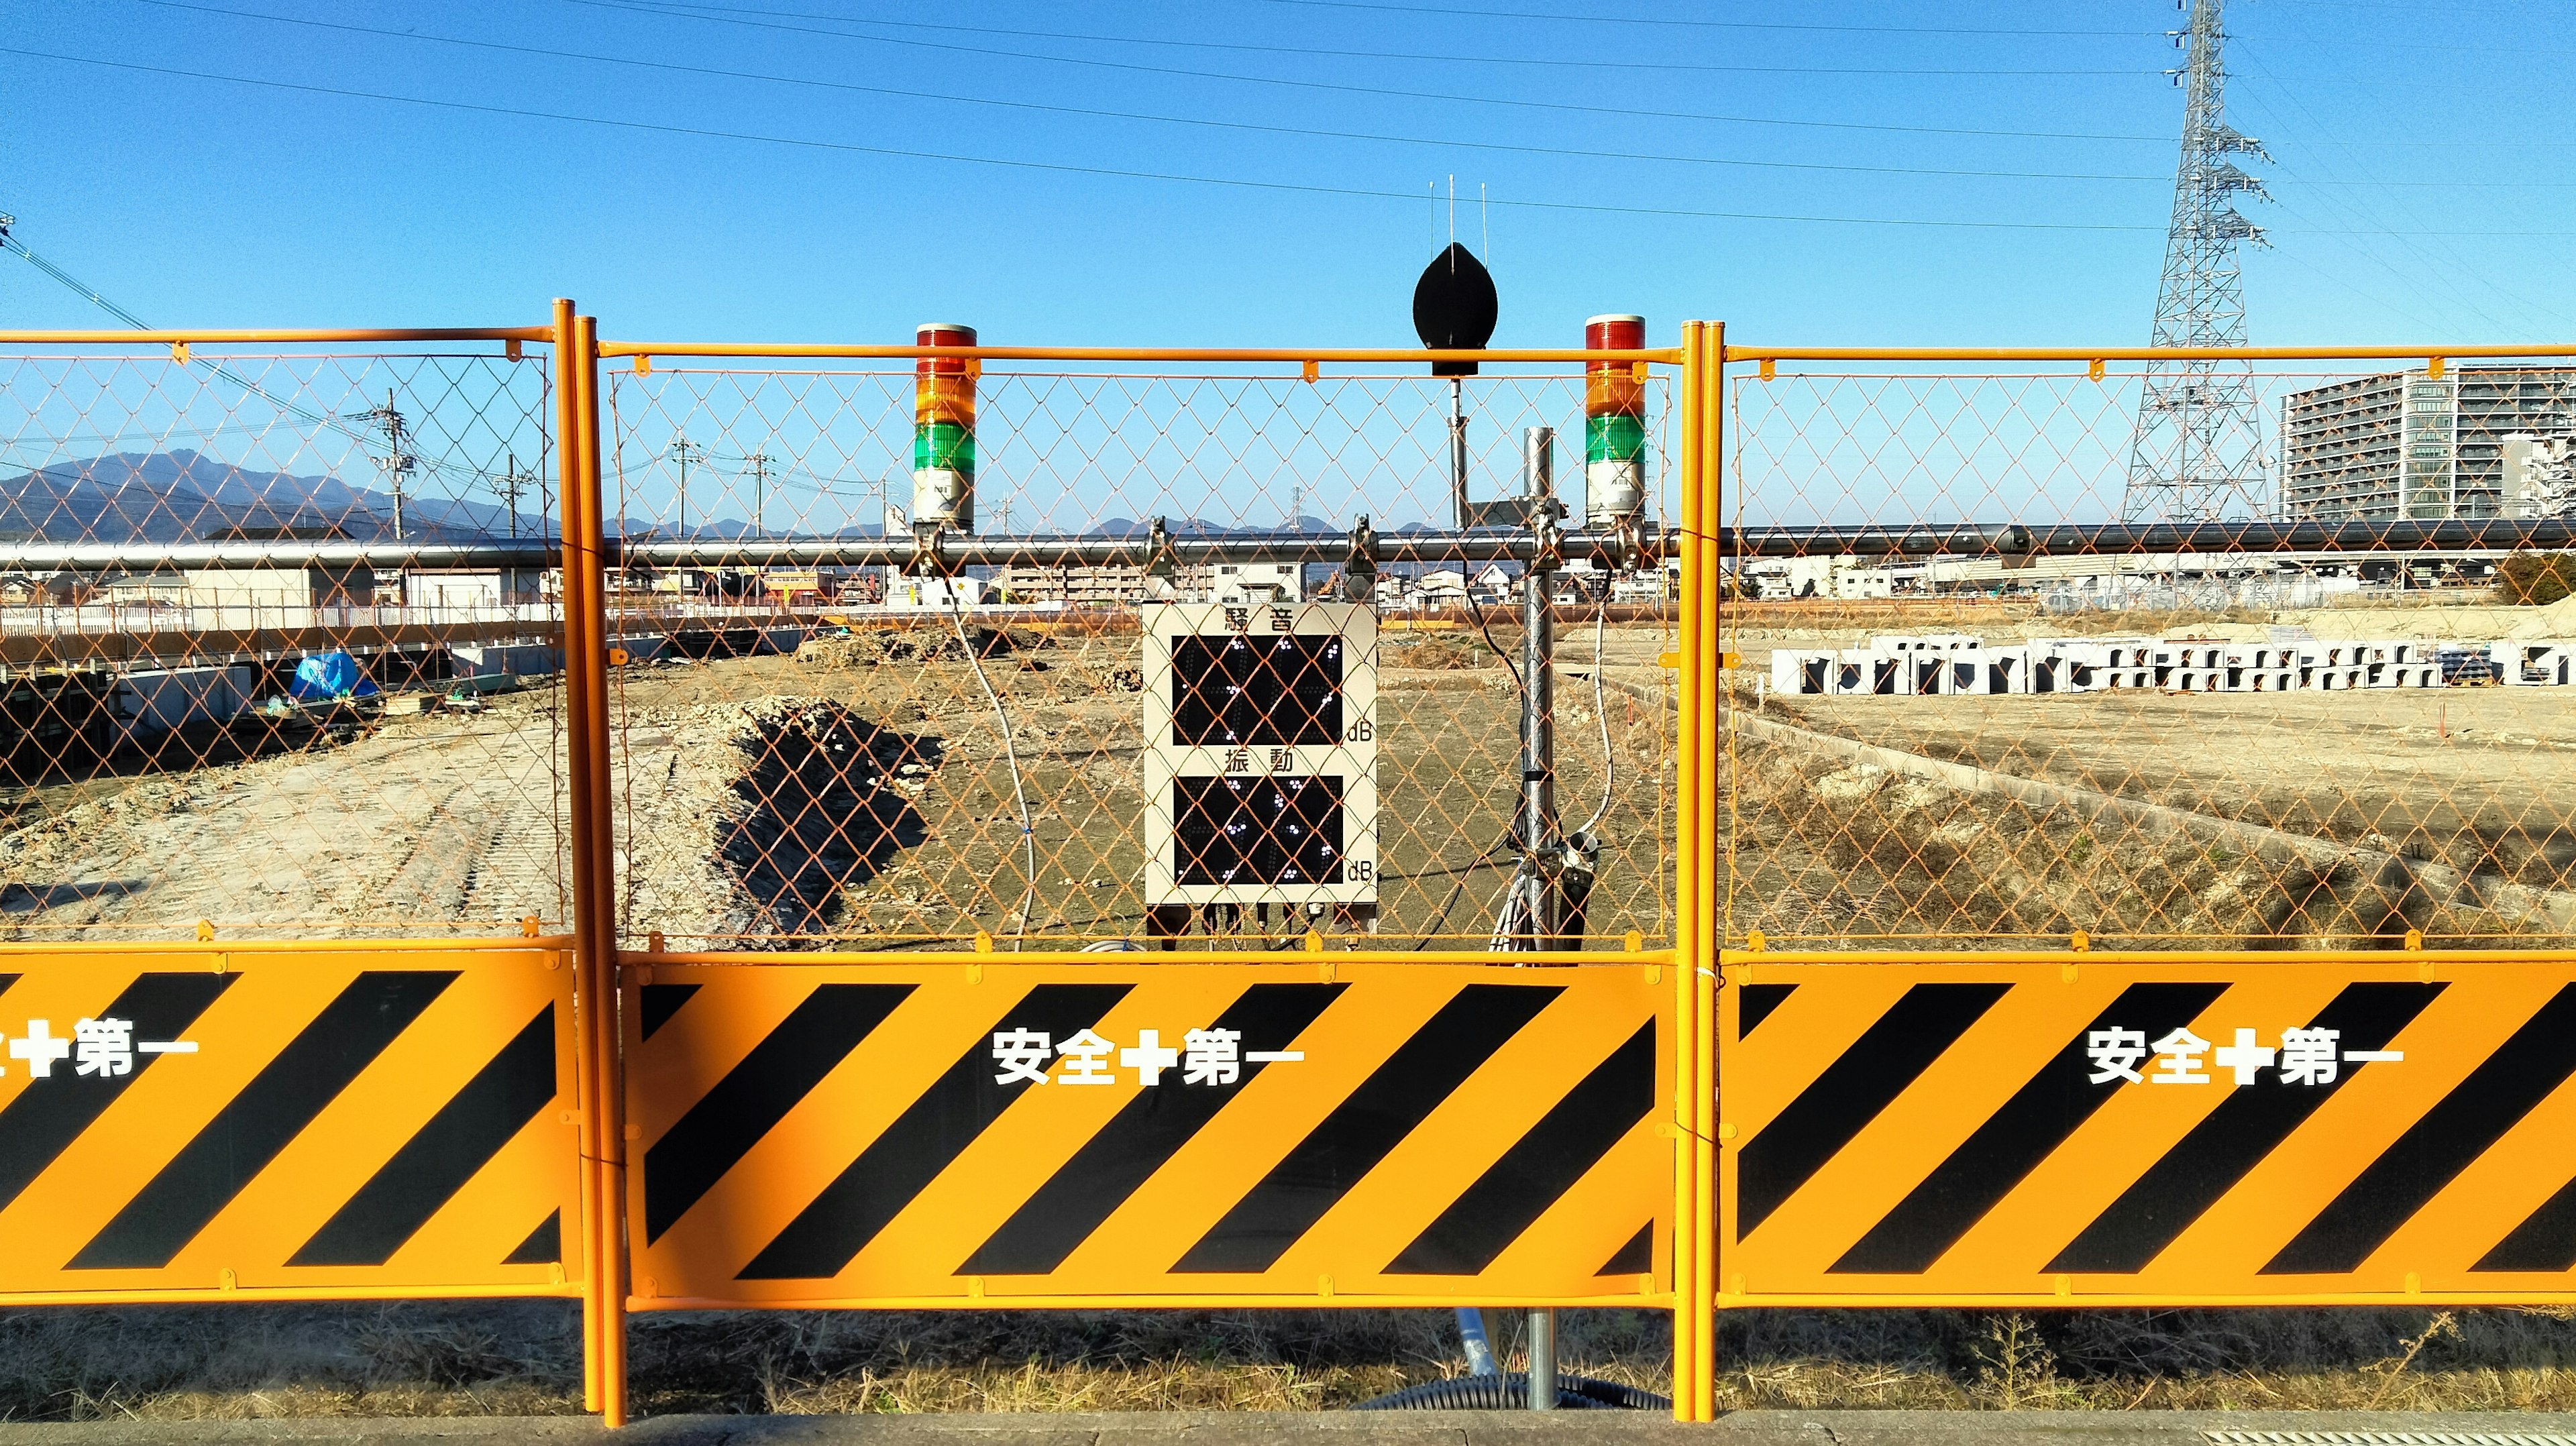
(822, 737)
(2265, 672)
(279, 641)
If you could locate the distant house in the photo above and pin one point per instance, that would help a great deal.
(1444, 587)
(133, 589)
(26, 589)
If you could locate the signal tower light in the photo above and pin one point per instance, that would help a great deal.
(1614, 424)
(943, 433)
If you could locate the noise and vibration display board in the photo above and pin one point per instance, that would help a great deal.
(1261, 753)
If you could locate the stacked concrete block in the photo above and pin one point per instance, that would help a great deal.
(1945, 665)
(2523, 665)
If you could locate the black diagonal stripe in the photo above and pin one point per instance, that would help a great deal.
(459, 1140)
(660, 1002)
(1539, 1167)
(544, 1245)
(1144, 1134)
(1755, 1002)
(2544, 1241)
(1426, 1069)
(2011, 1143)
(757, 1093)
(250, 1130)
(1926, 1020)
(2522, 1072)
(5, 981)
(924, 1140)
(2206, 1163)
(1637, 1257)
(41, 1123)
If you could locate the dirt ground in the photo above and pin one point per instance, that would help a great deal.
(857, 793)
(85, 1363)
(2397, 782)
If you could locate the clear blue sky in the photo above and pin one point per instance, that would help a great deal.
(2408, 148)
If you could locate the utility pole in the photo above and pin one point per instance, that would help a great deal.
(511, 484)
(684, 451)
(2196, 454)
(398, 461)
(759, 493)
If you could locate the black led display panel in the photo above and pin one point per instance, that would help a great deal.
(1255, 830)
(1266, 692)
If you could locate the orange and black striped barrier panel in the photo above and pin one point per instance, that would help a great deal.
(2391, 1127)
(1147, 1134)
(332, 1121)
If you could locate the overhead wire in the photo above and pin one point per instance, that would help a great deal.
(1626, 112)
(915, 93)
(696, 9)
(1702, 23)
(1057, 167)
(2432, 267)
(322, 420)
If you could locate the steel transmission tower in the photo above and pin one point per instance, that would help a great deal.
(2197, 453)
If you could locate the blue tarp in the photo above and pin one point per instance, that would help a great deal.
(332, 675)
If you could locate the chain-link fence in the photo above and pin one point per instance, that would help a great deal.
(281, 641)
(2018, 667)
(824, 737)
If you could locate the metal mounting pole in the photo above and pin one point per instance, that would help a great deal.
(1536, 878)
(1538, 821)
(1458, 454)
(1542, 1360)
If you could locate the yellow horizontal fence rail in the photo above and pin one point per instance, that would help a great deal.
(1666, 356)
(1736, 353)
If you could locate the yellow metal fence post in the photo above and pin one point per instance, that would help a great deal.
(1709, 422)
(599, 918)
(1686, 930)
(579, 558)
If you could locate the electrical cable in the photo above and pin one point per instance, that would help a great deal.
(1118, 173)
(1709, 24)
(1519, 684)
(1601, 711)
(1455, 889)
(1010, 754)
(689, 10)
(916, 93)
(306, 415)
(1623, 112)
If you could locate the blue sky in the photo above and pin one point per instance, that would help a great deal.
(2422, 167)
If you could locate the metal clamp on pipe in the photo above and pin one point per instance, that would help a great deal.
(929, 557)
(1359, 569)
(1162, 565)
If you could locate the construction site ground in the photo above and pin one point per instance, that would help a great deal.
(2434, 810)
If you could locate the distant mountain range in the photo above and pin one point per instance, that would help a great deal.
(183, 496)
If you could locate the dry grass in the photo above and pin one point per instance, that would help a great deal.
(81, 1363)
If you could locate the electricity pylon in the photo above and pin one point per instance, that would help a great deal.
(2197, 452)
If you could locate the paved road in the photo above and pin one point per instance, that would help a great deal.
(1427, 1428)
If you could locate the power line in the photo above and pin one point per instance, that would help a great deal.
(1344, 88)
(914, 93)
(1108, 172)
(1692, 23)
(695, 10)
